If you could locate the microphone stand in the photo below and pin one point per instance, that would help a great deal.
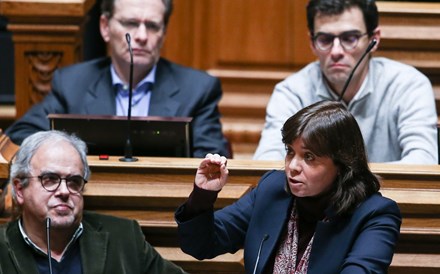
(49, 254)
(128, 152)
(265, 237)
(344, 89)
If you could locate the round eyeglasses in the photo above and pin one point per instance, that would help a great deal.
(52, 181)
(348, 40)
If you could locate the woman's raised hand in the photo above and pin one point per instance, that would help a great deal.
(212, 172)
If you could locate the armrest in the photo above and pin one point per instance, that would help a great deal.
(7, 147)
(7, 152)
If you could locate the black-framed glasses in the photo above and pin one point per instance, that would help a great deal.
(131, 25)
(348, 40)
(52, 181)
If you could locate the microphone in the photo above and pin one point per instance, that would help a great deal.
(49, 256)
(128, 152)
(265, 237)
(369, 48)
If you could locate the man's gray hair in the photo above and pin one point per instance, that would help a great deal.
(21, 166)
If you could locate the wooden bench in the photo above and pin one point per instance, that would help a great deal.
(151, 194)
(415, 188)
(233, 263)
(150, 190)
(404, 263)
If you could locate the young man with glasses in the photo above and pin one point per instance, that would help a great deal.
(392, 102)
(48, 177)
(160, 87)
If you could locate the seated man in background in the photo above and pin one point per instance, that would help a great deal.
(160, 87)
(48, 178)
(392, 102)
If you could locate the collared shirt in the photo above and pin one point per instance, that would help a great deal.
(140, 101)
(36, 248)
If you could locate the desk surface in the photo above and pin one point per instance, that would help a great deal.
(149, 191)
(192, 163)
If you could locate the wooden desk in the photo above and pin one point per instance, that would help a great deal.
(166, 182)
(151, 189)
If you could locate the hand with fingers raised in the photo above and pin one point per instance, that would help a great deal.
(212, 172)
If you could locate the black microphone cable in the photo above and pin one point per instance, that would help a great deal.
(128, 152)
(369, 48)
(49, 255)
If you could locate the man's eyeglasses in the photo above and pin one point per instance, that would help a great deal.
(52, 181)
(348, 40)
(132, 25)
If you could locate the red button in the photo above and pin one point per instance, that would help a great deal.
(103, 157)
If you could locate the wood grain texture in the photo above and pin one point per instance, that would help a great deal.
(151, 189)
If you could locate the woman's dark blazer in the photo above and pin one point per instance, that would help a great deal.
(363, 242)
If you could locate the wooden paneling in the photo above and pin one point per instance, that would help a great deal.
(411, 34)
(256, 31)
(46, 36)
(242, 35)
(252, 45)
(180, 33)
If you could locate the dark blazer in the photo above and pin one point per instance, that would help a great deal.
(86, 88)
(363, 242)
(107, 245)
